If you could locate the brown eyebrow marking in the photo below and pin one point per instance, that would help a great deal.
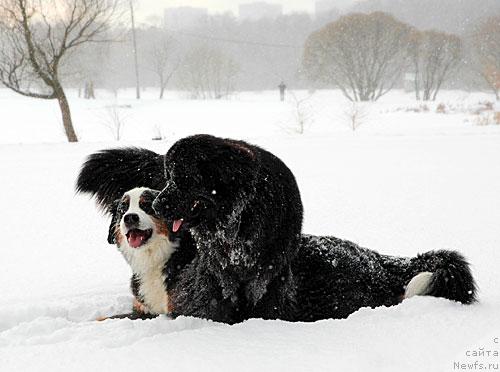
(118, 235)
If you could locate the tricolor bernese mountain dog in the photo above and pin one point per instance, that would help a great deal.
(155, 256)
(236, 209)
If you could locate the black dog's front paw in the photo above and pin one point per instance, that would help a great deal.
(132, 316)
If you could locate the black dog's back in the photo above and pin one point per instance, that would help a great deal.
(336, 277)
(278, 204)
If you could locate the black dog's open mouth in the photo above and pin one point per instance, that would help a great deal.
(137, 238)
(177, 225)
(193, 214)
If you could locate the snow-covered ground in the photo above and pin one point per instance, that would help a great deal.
(404, 182)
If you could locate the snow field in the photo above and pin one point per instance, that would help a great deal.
(403, 183)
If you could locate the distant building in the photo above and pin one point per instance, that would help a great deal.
(184, 17)
(323, 7)
(259, 10)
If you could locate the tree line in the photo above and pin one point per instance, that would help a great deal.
(366, 55)
(49, 45)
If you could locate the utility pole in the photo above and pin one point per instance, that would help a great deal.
(134, 41)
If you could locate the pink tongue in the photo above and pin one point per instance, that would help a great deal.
(177, 225)
(135, 240)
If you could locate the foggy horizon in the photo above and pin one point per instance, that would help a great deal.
(147, 8)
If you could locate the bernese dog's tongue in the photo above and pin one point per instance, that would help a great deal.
(136, 238)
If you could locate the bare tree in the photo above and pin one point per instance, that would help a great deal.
(37, 35)
(164, 59)
(302, 111)
(363, 55)
(115, 120)
(486, 40)
(355, 115)
(414, 42)
(208, 73)
(435, 56)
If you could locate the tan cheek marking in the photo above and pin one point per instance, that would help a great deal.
(118, 235)
(161, 227)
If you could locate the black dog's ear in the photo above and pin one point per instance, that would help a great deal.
(240, 163)
(242, 149)
(114, 221)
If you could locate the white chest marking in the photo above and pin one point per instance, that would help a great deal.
(147, 262)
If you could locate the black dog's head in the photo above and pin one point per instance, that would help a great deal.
(206, 177)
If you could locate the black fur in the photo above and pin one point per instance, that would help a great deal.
(451, 279)
(336, 277)
(108, 174)
(243, 208)
(331, 277)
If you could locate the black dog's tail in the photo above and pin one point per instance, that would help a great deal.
(441, 274)
(107, 174)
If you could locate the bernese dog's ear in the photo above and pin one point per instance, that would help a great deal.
(114, 220)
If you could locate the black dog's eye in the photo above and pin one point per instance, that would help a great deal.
(196, 204)
(196, 208)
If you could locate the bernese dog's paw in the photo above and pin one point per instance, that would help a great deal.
(139, 311)
(139, 307)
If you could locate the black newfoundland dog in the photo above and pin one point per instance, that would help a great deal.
(243, 208)
(238, 208)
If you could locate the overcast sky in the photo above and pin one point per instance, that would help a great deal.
(155, 7)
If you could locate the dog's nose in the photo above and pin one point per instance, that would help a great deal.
(131, 219)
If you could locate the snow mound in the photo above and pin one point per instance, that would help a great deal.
(419, 334)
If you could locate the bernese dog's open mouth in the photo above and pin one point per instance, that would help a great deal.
(137, 238)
